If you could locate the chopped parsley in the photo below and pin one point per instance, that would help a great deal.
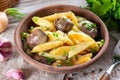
(55, 34)
(24, 35)
(42, 53)
(31, 28)
(101, 43)
(50, 60)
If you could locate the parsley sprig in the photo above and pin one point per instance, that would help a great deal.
(108, 11)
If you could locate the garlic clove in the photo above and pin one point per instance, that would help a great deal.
(4, 56)
(5, 49)
(16, 74)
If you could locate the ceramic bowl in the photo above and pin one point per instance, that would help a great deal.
(27, 22)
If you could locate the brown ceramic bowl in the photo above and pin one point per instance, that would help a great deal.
(26, 22)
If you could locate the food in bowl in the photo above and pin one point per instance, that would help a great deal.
(62, 39)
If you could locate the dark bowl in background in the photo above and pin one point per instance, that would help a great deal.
(27, 22)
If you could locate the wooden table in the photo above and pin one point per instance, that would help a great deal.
(93, 72)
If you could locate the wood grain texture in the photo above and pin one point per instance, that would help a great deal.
(93, 72)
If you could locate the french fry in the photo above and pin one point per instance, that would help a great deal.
(75, 28)
(45, 54)
(79, 48)
(69, 15)
(44, 24)
(64, 37)
(83, 58)
(59, 35)
(46, 46)
(80, 37)
(60, 52)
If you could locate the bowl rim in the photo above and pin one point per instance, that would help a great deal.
(68, 69)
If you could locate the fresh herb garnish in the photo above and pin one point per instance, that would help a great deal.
(92, 50)
(50, 60)
(26, 48)
(42, 53)
(90, 26)
(31, 28)
(35, 19)
(108, 11)
(65, 18)
(24, 35)
(101, 43)
(55, 34)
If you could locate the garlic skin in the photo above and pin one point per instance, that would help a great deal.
(3, 21)
(16, 74)
(5, 49)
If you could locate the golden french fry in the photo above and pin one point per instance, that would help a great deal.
(45, 54)
(53, 36)
(60, 52)
(44, 24)
(80, 37)
(64, 37)
(83, 58)
(69, 15)
(75, 28)
(59, 35)
(79, 48)
(46, 46)
(94, 48)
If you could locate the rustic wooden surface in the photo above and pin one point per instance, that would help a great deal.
(93, 72)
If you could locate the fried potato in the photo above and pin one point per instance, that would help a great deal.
(57, 53)
(45, 54)
(94, 48)
(46, 46)
(79, 48)
(59, 35)
(44, 24)
(80, 37)
(83, 58)
(60, 52)
(53, 36)
(69, 15)
(75, 28)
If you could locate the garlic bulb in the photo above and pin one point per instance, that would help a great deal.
(5, 49)
(16, 74)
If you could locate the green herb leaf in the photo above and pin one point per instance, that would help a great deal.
(101, 43)
(101, 7)
(24, 35)
(90, 26)
(35, 19)
(31, 28)
(55, 34)
(26, 48)
(117, 12)
(108, 11)
(50, 60)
